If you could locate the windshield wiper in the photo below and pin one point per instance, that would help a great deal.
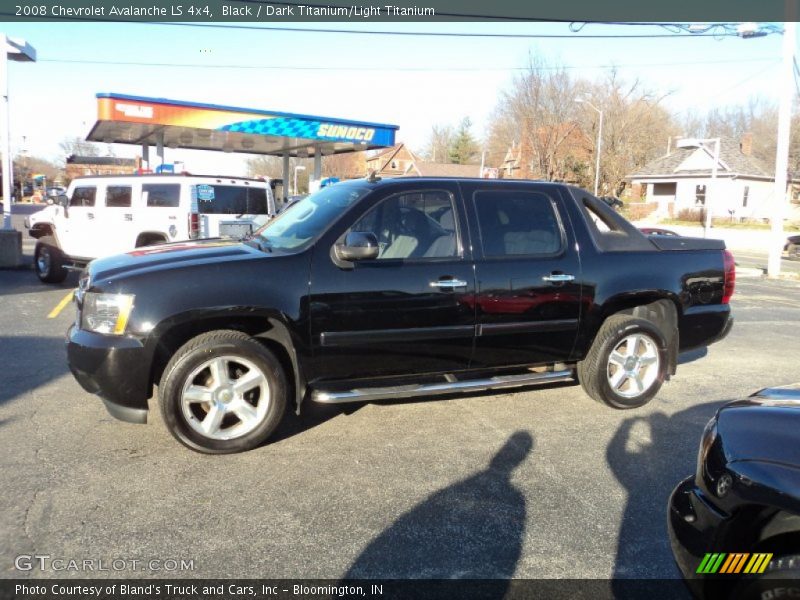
(257, 241)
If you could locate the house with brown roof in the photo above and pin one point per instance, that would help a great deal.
(683, 180)
(400, 161)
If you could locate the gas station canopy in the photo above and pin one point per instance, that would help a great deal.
(124, 119)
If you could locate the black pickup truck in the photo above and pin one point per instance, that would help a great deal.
(398, 288)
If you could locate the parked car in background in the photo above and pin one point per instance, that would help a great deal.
(108, 214)
(613, 202)
(792, 246)
(657, 231)
(392, 289)
(735, 524)
(55, 191)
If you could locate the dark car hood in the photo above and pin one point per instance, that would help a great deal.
(189, 253)
(762, 428)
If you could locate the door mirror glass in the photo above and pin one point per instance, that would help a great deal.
(63, 200)
(358, 245)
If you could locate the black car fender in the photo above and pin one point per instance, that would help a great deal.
(268, 326)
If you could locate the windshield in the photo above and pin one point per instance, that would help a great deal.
(304, 221)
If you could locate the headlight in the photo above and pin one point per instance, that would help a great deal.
(708, 439)
(106, 313)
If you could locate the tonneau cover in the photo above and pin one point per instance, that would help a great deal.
(674, 242)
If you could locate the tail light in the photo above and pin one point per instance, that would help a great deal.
(194, 225)
(730, 276)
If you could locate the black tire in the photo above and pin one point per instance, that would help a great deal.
(193, 355)
(781, 579)
(594, 371)
(48, 261)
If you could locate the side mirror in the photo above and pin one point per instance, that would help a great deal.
(63, 200)
(358, 245)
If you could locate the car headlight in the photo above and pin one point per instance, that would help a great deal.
(707, 440)
(106, 313)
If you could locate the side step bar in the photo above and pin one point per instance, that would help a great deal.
(434, 389)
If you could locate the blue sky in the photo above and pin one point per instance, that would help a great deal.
(53, 100)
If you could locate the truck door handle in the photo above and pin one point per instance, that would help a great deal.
(448, 284)
(558, 277)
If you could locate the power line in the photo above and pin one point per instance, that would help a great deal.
(448, 34)
(383, 69)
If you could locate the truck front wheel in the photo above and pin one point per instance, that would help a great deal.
(48, 260)
(222, 392)
(626, 364)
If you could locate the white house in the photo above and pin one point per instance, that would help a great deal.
(683, 180)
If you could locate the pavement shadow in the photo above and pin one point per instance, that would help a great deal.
(472, 529)
(38, 360)
(313, 413)
(649, 456)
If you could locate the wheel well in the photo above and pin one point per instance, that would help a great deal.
(149, 237)
(40, 230)
(780, 534)
(174, 338)
(663, 313)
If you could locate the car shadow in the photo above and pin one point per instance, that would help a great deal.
(472, 529)
(39, 361)
(689, 356)
(649, 456)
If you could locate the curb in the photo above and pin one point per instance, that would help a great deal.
(749, 272)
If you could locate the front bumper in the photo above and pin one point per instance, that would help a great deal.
(114, 368)
(694, 524)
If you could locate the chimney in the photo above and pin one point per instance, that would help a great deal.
(746, 144)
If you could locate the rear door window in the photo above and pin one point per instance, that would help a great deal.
(118, 196)
(83, 196)
(517, 224)
(231, 200)
(164, 195)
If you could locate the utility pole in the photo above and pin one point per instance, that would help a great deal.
(782, 154)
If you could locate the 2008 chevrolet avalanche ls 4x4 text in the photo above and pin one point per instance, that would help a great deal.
(390, 289)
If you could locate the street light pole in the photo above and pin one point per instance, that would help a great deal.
(599, 142)
(713, 187)
(782, 153)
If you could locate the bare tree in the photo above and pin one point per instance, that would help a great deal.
(351, 165)
(78, 147)
(635, 128)
(538, 113)
(439, 142)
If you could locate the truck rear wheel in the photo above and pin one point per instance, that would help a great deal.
(626, 364)
(222, 392)
(48, 260)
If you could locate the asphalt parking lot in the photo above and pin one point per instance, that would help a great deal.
(541, 483)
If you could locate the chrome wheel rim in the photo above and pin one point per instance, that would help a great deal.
(633, 365)
(43, 261)
(225, 397)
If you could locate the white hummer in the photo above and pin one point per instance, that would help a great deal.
(111, 214)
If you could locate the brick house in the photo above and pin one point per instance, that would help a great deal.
(571, 149)
(80, 166)
(400, 161)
